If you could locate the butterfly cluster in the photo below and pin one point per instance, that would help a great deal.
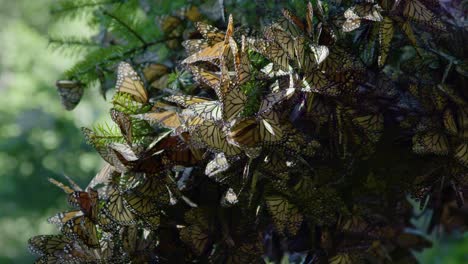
(305, 139)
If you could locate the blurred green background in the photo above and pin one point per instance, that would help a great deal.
(39, 139)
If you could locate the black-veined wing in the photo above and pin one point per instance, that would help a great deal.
(286, 216)
(117, 209)
(212, 135)
(430, 142)
(129, 82)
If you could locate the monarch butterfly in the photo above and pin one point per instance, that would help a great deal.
(209, 32)
(153, 187)
(286, 216)
(340, 61)
(282, 38)
(211, 79)
(180, 150)
(325, 34)
(106, 152)
(247, 252)
(298, 48)
(450, 122)
(55, 247)
(211, 54)
(319, 83)
(251, 132)
(125, 153)
(197, 233)
(430, 142)
(192, 13)
(372, 125)
(48, 244)
(271, 50)
(192, 46)
(70, 93)
(131, 236)
(186, 100)
(217, 165)
(124, 122)
(429, 96)
(211, 35)
(343, 258)
(85, 200)
(129, 82)
(216, 52)
(197, 106)
(320, 53)
(154, 71)
(272, 70)
(187, 156)
(210, 110)
(456, 122)
(296, 26)
(168, 119)
(117, 209)
(272, 99)
(386, 31)
(342, 68)
(241, 61)
(138, 159)
(105, 223)
(76, 225)
(356, 13)
(137, 241)
(353, 224)
(233, 102)
(303, 55)
(82, 228)
(211, 134)
(196, 238)
(416, 11)
(461, 154)
(140, 205)
(168, 23)
(104, 176)
(196, 150)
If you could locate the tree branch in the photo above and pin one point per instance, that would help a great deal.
(126, 53)
(133, 32)
(68, 9)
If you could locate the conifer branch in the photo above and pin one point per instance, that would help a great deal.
(80, 6)
(122, 55)
(133, 32)
(72, 42)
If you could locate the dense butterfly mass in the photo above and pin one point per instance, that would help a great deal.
(305, 139)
